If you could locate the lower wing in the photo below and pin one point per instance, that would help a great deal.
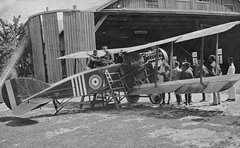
(210, 84)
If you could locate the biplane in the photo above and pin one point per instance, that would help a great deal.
(113, 83)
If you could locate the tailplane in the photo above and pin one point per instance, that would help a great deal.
(14, 91)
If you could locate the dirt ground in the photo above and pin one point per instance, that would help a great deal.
(200, 125)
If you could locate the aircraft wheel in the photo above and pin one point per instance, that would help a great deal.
(133, 99)
(155, 98)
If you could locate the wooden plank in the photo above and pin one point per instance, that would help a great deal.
(67, 40)
(161, 4)
(52, 51)
(183, 5)
(79, 34)
(73, 38)
(81, 37)
(37, 48)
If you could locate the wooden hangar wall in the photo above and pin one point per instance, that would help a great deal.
(205, 5)
(50, 42)
(135, 22)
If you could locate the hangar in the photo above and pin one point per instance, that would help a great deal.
(124, 23)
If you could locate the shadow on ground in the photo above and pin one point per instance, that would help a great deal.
(149, 110)
(16, 121)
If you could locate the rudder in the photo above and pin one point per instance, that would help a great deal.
(10, 94)
(14, 91)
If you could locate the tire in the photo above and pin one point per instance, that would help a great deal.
(155, 98)
(134, 99)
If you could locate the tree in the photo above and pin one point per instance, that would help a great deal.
(10, 36)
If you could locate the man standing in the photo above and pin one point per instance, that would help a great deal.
(187, 74)
(198, 74)
(215, 71)
(164, 74)
(231, 71)
(176, 76)
(109, 57)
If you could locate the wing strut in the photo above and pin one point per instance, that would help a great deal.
(75, 66)
(171, 62)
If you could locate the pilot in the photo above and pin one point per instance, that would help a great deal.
(108, 57)
(93, 60)
(120, 58)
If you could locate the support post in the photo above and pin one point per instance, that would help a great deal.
(156, 66)
(171, 61)
(216, 55)
(201, 64)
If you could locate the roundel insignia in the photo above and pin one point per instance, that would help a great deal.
(95, 81)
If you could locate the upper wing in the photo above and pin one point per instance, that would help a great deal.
(86, 54)
(82, 54)
(211, 84)
(160, 42)
(209, 31)
(180, 38)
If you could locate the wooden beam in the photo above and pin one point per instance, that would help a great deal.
(99, 23)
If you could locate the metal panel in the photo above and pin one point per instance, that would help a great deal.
(79, 35)
(37, 48)
(52, 51)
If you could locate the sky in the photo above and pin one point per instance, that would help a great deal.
(26, 8)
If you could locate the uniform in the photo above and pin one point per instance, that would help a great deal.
(231, 91)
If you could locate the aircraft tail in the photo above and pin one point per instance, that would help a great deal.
(14, 91)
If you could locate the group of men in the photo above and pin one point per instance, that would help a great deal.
(186, 72)
(108, 58)
(96, 61)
